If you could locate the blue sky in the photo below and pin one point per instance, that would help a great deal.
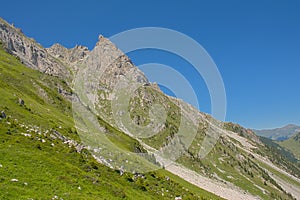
(255, 44)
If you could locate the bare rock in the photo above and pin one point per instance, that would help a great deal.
(30, 52)
(69, 56)
(21, 102)
(111, 65)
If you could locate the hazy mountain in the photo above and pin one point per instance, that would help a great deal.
(282, 133)
(50, 111)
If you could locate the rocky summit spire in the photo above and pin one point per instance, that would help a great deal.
(112, 63)
(104, 41)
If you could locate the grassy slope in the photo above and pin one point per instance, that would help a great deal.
(46, 169)
(292, 144)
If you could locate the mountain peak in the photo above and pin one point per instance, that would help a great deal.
(282, 133)
(103, 40)
(290, 126)
(100, 37)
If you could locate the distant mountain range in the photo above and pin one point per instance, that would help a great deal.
(287, 137)
(279, 134)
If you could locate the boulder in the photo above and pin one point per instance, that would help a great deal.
(3, 115)
(21, 101)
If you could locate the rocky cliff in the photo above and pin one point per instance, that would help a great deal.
(30, 52)
(63, 62)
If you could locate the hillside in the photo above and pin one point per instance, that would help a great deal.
(279, 134)
(292, 144)
(86, 127)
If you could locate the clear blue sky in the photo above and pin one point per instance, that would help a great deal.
(255, 44)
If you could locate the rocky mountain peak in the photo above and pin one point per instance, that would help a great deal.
(61, 61)
(112, 64)
(101, 39)
(104, 42)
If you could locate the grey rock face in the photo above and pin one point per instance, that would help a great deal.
(68, 56)
(112, 64)
(60, 61)
(29, 52)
